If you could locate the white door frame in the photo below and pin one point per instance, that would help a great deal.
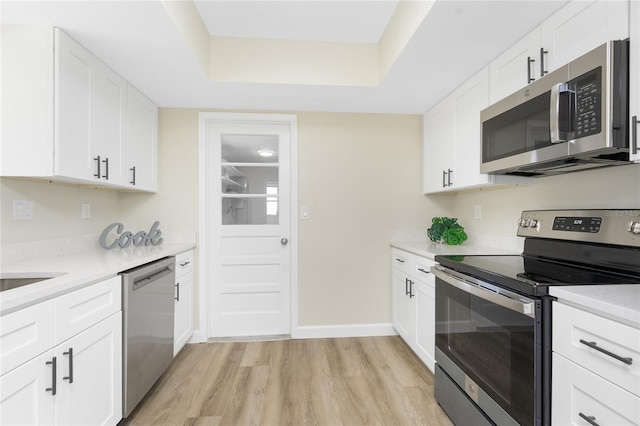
(204, 271)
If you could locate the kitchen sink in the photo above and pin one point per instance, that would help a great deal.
(10, 281)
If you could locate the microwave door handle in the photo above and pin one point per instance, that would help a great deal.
(554, 117)
(561, 112)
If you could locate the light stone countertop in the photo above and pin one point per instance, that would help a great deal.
(617, 302)
(429, 249)
(80, 268)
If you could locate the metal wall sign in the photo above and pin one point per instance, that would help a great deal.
(125, 239)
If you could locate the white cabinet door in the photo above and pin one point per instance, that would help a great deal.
(26, 393)
(515, 67)
(579, 394)
(580, 27)
(142, 142)
(183, 325)
(470, 98)
(439, 146)
(111, 121)
(90, 375)
(404, 305)
(76, 74)
(634, 78)
(425, 321)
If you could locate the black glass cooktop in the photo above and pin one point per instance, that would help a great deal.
(532, 275)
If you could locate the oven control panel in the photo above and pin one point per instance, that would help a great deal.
(615, 226)
(577, 224)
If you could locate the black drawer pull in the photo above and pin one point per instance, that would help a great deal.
(593, 345)
(406, 286)
(70, 376)
(399, 260)
(589, 419)
(422, 270)
(411, 293)
(54, 374)
(185, 263)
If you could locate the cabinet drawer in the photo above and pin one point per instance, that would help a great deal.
(25, 334)
(402, 260)
(83, 308)
(422, 269)
(577, 390)
(184, 263)
(574, 330)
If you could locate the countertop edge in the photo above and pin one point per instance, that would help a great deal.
(32, 294)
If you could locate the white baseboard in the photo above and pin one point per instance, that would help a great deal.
(350, 330)
(195, 337)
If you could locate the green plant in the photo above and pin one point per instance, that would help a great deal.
(446, 229)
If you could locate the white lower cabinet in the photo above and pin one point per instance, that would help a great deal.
(413, 295)
(425, 313)
(595, 373)
(79, 380)
(183, 315)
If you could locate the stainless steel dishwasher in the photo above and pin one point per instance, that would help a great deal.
(147, 328)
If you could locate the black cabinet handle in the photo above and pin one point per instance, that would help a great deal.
(411, 293)
(186, 263)
(97, 159)
(406, 286)
(133, 180)
(399, 260)
(106, 164)
(589, 419)
(449, 171)
(444, 174)
(53, 364)
(70, 376)
(542, 70)
(594, 345)
(634, 134)
(177, 292)
(529, 62)
(422, 270)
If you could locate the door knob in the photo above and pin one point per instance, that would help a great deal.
(284, 241)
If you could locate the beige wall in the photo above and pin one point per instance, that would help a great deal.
(611, 187)
(361, 176)
(57, 210)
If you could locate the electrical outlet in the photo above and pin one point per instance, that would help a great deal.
(86, 211)
(22, 210)
(477, 211)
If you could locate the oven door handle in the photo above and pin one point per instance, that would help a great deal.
(499, 296)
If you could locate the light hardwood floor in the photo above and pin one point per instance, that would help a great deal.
(349, 381)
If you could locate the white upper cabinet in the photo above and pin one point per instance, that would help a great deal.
(142, 138)
(65, 113)
(76, 89)
(452, 132)
(439, 145)
(634, 79)
(574, 30)
(516, 67)
(581, 26)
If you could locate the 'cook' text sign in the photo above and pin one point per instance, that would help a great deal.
(125, 239)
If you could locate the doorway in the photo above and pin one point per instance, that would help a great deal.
(248, 225)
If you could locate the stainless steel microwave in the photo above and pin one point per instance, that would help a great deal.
(574, 118)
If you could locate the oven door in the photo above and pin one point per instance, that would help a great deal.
(488, 341)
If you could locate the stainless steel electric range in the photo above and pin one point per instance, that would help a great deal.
(494, 313)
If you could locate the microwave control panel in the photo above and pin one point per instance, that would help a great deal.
(588, 108)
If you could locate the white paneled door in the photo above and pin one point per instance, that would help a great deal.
(249, 228)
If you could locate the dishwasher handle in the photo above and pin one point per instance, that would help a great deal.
(141, 282)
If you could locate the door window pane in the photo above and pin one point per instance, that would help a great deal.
(250, 167)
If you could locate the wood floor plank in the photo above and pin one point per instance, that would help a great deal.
(350, 381)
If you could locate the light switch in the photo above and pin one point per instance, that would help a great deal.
(304, 212)
(22, 210)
